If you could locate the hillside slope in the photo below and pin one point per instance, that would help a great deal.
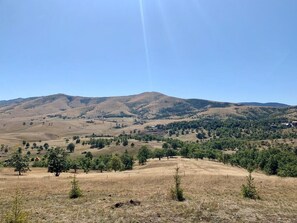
(145, 105)
(149, 105)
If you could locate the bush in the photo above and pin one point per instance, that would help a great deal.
(248, 190)
(16, 214)
(75, 191)
(71, 147)
(177, 191)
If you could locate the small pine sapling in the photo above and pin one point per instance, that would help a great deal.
(177, 191)
(16, 214)
(249, 190)
(75, 191)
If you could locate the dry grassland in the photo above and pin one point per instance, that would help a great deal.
(212, 192)
(13, 132)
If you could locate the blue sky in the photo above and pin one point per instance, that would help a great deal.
(227, 50)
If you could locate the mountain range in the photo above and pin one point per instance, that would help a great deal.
(148, 105)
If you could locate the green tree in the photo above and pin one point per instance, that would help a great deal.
(248, 190)
(46, 146)
(86, 164)
(89, 155)
(143, 155)
(125, 142)
(177, 191)
(101, 166)
(71, 147)
(165, 145)
(159, 153)
(116, 163)
(75, 191)
(127, 161)
(19, 162)
(57, 162)
(272, 166)
(74, 164)
(170, 153)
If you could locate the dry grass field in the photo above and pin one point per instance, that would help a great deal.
(13, 132)
(212, 192)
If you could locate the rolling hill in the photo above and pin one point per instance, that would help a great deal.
(149, 105)
(145, 105)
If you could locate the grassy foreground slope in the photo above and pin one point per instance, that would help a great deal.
(212, 192)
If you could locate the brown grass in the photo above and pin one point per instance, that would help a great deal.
(212, 192)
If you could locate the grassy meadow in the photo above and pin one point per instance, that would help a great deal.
(212, 192)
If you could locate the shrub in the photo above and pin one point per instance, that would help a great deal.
(177, 191)
(71, 147)
(16, 214)
(248, 190)
(75, 191)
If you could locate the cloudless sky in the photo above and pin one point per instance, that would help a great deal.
(224, 50)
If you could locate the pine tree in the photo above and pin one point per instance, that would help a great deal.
(75, 191)
(177, 191)
(248, 190)
(16, 214)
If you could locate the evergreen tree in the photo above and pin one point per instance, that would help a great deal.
(248, 190)
(75, 191)
(177, 191)
(16, 214)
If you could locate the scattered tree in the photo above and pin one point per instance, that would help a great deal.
(71, 147)
(57, 161)
(159, 153)
(46, 146)
(101, 166)
(89, 155)
(116, 163)
(20, 162)
(143, 155)
(86, 164)
(74, 164)
(127, 161)
(125, 142)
